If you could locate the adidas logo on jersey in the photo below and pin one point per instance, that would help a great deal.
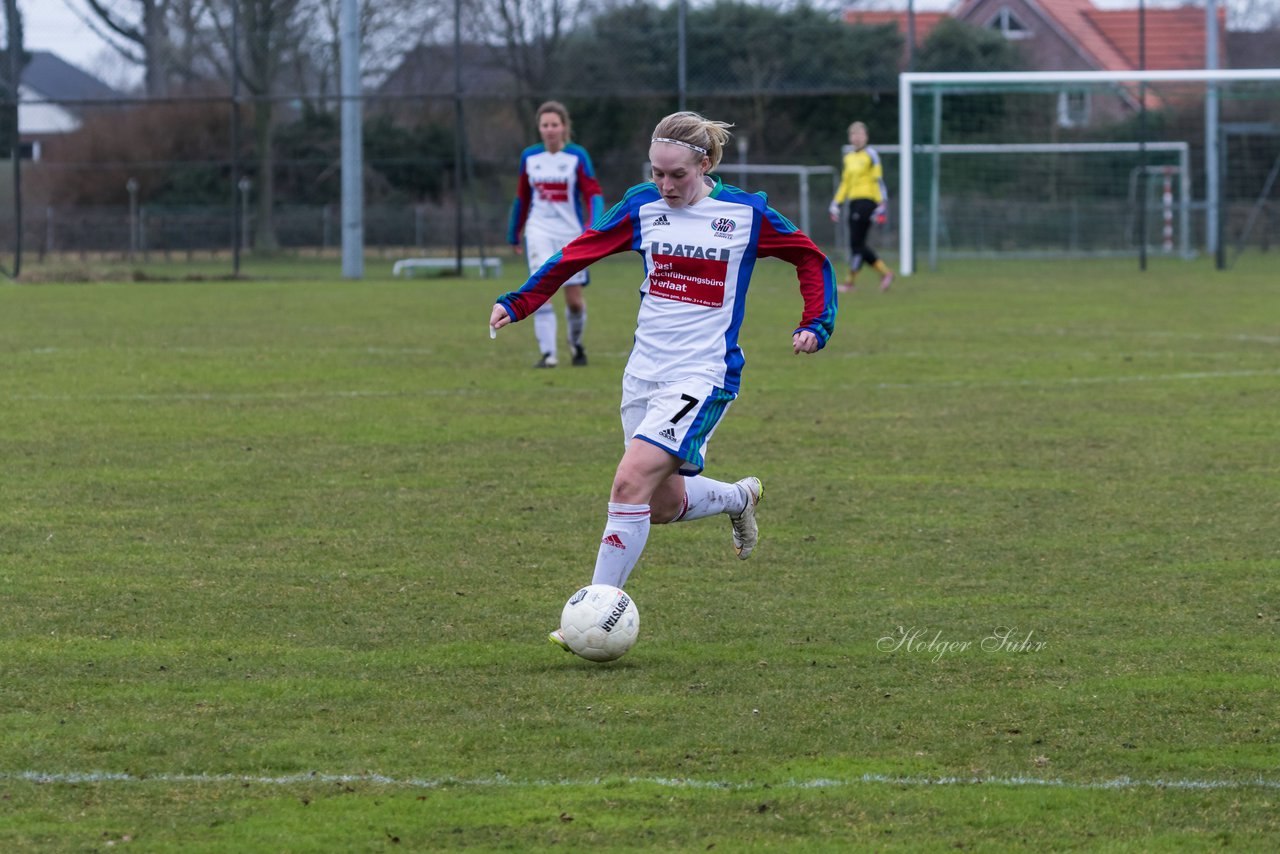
(662, 220)
(615, 541)
(668, 434)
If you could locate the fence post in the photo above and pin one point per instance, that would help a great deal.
(48, 232)
(132, 187)
(244, 186)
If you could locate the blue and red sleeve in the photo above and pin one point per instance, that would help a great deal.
(779, 238)
(616, 235)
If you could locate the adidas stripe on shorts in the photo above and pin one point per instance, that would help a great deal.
(678, 417)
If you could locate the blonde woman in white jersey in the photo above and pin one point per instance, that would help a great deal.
(699, 240)
(556, 198)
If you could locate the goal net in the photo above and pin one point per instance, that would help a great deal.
(1047, 164)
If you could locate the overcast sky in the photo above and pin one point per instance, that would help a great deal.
(51, 25)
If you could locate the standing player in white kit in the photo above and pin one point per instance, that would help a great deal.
(699, 240)
(556, 198)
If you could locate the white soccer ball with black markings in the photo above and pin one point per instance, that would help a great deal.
(600, 622)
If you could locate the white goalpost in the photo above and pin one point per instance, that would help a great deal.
(804, 202)
(1074, 93)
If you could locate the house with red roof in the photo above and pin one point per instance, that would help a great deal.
(1075, 35)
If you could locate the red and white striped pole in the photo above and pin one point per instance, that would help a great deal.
(1166, 200)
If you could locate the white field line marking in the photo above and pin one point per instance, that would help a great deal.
(473, 392)
(252, 395)
(1200, 336)
(1117, 783)
(229, 350)
(1239, 338)
(1069, 381)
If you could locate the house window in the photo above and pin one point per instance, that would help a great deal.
(1073, 109)
(1008, 25)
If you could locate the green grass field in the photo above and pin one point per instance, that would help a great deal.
(278, 559)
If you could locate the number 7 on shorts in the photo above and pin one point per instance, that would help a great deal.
(690, 403)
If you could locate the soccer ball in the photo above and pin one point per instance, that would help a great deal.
(600, 622)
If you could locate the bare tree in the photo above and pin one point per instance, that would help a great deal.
(264, 36)
(1253, 14)
(387, 29)
(530, 35)
(157, 35)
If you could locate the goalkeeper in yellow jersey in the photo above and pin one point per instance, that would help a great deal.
(862, 186)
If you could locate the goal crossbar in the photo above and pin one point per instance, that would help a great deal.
(908, 82)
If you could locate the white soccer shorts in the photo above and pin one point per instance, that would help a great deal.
(540, 248)
(678, 417)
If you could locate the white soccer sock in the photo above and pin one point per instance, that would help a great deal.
(625, 534)
(706, 497)
(544, 328)
(576, 324)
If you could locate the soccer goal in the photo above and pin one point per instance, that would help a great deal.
(1047, 164)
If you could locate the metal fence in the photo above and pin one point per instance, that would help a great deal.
(161, 178)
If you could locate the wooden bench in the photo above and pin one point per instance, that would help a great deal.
(408, 267)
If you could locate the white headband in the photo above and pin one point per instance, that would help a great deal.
(696, 148)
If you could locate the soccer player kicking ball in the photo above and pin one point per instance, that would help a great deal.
(699, 240)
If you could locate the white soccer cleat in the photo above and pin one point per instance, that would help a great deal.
(557, 638)
(745, 531)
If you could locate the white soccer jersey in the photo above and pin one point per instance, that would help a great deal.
(691, 298)
(698, 261)
(557, 195)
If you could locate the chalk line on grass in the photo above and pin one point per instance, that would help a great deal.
(1116, 783)
(1070, 381)
(286, 395)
